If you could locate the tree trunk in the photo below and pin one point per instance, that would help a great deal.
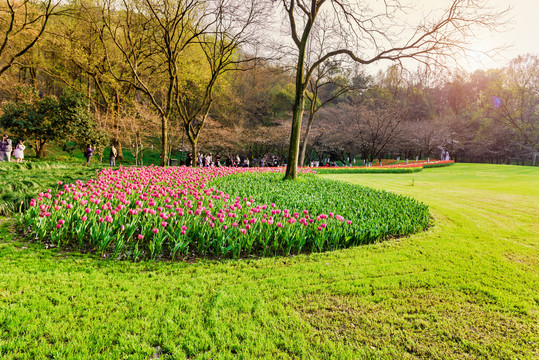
(299, 106)
(136, 154)
(118, 146)
(293, 151)
(164, 142)
(41, 152)
(305, 139)
(194, 156)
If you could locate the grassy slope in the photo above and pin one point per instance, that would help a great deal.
(467, 288)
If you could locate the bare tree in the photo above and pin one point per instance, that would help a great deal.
(73, 53)
(230, 33)
(22, 24)
(152, 37)
(325, 75)
(177, 50)
(515, 102)
(137, 127)
(369, 130)
(365, 36)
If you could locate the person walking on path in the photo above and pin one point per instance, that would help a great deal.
(3, 145)
(113, 155)
(9, 148)
(18, 153)
(88, 154)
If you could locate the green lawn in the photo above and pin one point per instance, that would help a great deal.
(467, 288)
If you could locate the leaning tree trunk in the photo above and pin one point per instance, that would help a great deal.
(305, 139)
(299, 106)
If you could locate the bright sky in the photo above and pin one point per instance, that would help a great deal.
(521, 35)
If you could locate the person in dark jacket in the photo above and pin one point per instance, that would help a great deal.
(88, 154)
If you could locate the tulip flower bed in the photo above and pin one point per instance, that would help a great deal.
(371, 214)
(169, 212)
(434, 164)
(400, 168)
(370, 170)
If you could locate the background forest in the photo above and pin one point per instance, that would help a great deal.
(101, 73)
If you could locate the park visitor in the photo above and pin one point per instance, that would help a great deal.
(9, 148)
(113, 155)
(5, 148)
(18, 153)
(88, 154)
(3, 145)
